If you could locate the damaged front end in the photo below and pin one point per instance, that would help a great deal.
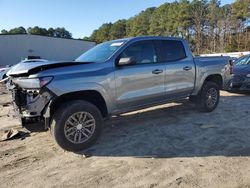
(28, 82)
(31, 98)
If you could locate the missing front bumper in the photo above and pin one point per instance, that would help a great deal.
(31, 105)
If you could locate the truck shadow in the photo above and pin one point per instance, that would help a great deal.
(178, 130)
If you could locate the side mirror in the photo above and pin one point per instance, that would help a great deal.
(125, 61)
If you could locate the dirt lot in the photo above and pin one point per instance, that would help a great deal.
(171, 145)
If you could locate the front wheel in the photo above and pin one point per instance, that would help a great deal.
(209, 97)
(76, 125)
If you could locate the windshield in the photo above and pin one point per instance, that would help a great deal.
(101, 52)
(245, 60)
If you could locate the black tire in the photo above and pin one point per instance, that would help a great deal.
(63, 114)
(205, 97)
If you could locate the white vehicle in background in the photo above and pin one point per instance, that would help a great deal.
(33, 60)
(3, 71)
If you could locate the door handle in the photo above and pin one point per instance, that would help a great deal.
(157, 71)
(187, 68)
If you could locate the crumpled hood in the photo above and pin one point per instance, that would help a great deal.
(241, 70)
(26, 68)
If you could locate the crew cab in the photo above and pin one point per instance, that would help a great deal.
(73, 98)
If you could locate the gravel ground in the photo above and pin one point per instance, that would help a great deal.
(170, 145)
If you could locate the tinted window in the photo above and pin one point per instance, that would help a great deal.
(245, 60)
(140, 52)
(171, 50)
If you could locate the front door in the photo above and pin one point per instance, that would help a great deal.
(142, 82)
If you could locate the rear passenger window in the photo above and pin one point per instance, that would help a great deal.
(172, 50)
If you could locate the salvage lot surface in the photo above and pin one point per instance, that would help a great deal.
(170, 145)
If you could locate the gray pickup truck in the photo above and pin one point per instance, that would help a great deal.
(73, 98)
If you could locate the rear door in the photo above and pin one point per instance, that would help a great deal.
(179, 69)
(141, 83)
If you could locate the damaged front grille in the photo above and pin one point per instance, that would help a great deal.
(29, 104)
(19, 98)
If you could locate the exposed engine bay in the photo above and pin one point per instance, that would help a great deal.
(31, 97)
(30, 104)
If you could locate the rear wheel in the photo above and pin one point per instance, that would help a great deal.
(76, 125)
(209, 96)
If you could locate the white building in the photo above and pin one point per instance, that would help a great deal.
(14, 48)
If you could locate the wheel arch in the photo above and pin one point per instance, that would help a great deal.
(91, 96)
(200, 80)
(216, 78)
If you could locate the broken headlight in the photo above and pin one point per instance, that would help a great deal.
(33, 83)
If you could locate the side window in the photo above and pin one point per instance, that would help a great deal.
(171, 50)
(243, 61)
(141, 52)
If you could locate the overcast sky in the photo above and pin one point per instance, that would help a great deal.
(80, 17)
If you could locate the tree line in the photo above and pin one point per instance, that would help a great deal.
(60, 32)
(208, 26)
